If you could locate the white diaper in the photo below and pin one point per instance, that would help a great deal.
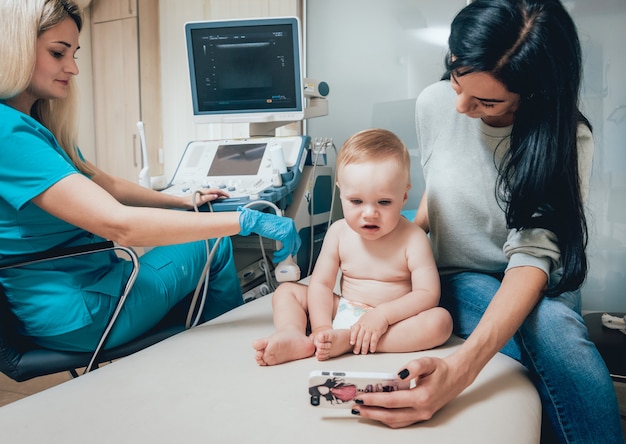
(348, 312)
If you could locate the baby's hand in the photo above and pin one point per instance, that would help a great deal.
(365, 334)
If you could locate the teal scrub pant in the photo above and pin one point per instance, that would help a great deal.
(166, 276)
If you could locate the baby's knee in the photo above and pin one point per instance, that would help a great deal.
(290, 290)
(286, 288)
(440, 321)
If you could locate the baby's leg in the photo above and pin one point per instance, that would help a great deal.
(289, 342)
(423, 331)
(331, 343)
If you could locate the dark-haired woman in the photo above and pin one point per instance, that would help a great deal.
(507, 158)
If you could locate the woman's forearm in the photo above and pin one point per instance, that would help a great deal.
(130, 193)
(521, 289)
(84, 204)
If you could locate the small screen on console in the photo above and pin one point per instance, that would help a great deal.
(237, 159)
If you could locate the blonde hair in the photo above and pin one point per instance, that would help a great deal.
(372, 145)
(22, 22)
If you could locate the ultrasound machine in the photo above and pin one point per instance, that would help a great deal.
(267, 168)
(249, 71)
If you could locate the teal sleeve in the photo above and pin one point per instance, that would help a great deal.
(31, 160)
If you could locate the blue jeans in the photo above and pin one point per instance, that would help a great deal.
(166, 276)
(571, 378)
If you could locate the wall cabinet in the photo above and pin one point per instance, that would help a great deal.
(107, 10)
(125, 50)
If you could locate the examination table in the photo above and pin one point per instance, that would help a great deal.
(204, 386)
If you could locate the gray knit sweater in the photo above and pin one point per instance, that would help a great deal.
(459, 156)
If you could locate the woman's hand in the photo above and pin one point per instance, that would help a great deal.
(271, 226)
(203, 196)
(437, 383)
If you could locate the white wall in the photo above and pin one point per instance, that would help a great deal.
(603, 35)
(376, 61)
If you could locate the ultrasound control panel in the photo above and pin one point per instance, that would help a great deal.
(267, 168)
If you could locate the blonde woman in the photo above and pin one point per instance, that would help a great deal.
(51, 196)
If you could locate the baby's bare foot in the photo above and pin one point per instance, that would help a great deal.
(283, 347)
(331, 343)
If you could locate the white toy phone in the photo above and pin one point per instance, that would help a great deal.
(339, 389)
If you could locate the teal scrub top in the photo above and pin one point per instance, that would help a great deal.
(47, 297)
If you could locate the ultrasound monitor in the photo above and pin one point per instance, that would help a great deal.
(245, 71)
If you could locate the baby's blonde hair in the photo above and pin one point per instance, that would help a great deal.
(372, 145)
(22, 22)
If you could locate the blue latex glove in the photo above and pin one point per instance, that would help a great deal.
(282, 229)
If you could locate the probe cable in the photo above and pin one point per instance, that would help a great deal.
(203, 282)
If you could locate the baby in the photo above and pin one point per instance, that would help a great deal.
(389, 281)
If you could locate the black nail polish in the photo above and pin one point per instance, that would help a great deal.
(403, 374)
(358, 401)
(355, 412)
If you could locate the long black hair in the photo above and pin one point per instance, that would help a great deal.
(532, 48)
